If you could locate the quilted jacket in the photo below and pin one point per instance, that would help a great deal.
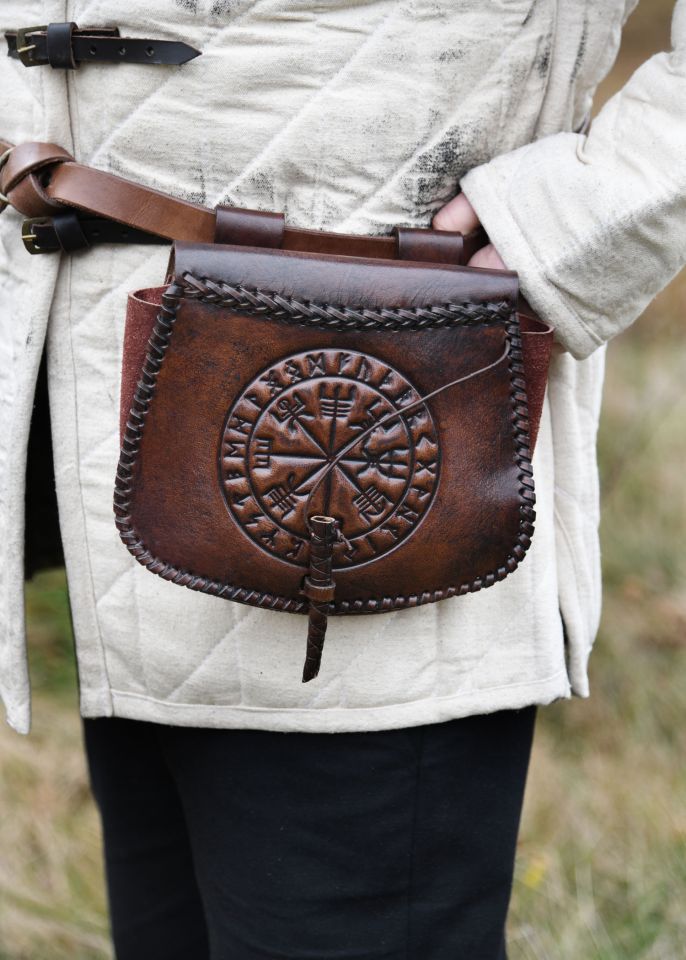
(348, 116)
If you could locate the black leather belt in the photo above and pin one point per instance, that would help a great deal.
(65, 46)
(69, 232)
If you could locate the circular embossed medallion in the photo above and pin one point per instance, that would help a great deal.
(292, 421)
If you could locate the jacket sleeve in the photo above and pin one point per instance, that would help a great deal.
(596, 225)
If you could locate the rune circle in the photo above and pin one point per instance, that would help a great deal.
(288, 425)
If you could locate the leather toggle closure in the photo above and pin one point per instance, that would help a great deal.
(319, 588)
(64, 46)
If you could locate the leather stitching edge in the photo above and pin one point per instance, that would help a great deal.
(328, 316)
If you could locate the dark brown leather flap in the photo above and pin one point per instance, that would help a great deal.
(351, 281)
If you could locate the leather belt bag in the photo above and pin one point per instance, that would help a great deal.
(329, 433)
(311, 422)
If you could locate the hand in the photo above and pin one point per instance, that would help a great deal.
(459, 214)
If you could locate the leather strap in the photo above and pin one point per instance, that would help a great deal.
(42, 179)
(67, 231)
(64, 46)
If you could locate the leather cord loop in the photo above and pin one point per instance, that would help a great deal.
(317, 592)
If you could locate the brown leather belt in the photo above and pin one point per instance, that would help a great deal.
(44, 182)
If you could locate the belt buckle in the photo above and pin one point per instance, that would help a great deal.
(29, 236)
(24, 46)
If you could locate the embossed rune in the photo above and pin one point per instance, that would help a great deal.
(289, 424)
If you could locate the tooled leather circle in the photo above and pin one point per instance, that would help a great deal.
(289, 423)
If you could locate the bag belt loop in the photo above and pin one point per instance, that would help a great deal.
(438, 246)
(251, 228)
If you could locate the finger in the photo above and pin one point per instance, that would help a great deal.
(457, 214)
(487, 258)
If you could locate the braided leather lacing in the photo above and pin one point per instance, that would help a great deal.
(335, 317)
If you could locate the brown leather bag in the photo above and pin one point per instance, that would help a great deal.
(329, 432)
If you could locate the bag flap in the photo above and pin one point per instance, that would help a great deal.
(337, 280)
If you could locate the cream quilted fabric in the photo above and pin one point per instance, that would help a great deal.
(350, 115)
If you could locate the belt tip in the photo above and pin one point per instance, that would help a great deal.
(188, 53)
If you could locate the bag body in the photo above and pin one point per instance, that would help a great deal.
(281, 385)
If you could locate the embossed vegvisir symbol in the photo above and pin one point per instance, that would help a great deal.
(290, 423)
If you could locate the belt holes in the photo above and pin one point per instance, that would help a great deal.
(122, 51)
(93, 50)
(150, 51)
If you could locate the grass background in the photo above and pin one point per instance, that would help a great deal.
(601, 871)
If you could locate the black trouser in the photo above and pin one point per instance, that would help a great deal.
(252, 845)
